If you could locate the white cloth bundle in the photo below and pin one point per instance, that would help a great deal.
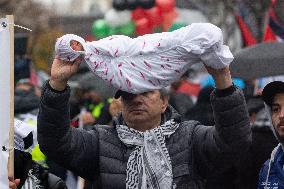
(63, 49)
(152, 61)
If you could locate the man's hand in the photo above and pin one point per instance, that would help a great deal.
(61, 72)
(222, 77)
(13, 183)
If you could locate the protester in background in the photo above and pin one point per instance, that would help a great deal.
(180, 100)
(263, 142)
(246, 171)
(202, 110)
(115, 108)
(26, 98)
(28, 173)
(89, 107)
(189, 83)
(272, 173)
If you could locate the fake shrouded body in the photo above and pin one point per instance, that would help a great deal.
(148, 62)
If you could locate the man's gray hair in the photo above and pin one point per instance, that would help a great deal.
(164, 93)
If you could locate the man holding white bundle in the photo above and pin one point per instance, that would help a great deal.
(148, 146)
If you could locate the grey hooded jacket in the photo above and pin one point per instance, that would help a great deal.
(195, 150)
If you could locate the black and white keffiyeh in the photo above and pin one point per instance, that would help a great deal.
(149, 165)
(33, 180)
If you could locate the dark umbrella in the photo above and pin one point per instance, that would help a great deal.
(262, 60)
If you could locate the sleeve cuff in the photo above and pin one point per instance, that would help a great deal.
(54, 98)
(53, 90)
(225, 92)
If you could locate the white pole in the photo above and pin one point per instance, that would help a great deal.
(6, 98)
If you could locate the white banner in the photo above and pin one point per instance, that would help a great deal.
(4, 100)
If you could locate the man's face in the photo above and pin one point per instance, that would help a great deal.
(143, 108)
(278, 115)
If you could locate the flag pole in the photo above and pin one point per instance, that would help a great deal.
(10, 19)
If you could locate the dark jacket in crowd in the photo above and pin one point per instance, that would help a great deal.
(32, 175)
(196, 151)
(180, 102)
(263, 142)
(202, 111)
(25, 101)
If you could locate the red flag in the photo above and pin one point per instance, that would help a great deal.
(248, 37)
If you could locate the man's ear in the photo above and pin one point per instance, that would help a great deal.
(165, 103)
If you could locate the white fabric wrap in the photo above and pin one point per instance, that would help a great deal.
(154, 61)
(63, 49)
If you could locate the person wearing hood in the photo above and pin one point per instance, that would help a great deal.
(272, 172)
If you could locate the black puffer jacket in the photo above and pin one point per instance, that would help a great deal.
(99, 155)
